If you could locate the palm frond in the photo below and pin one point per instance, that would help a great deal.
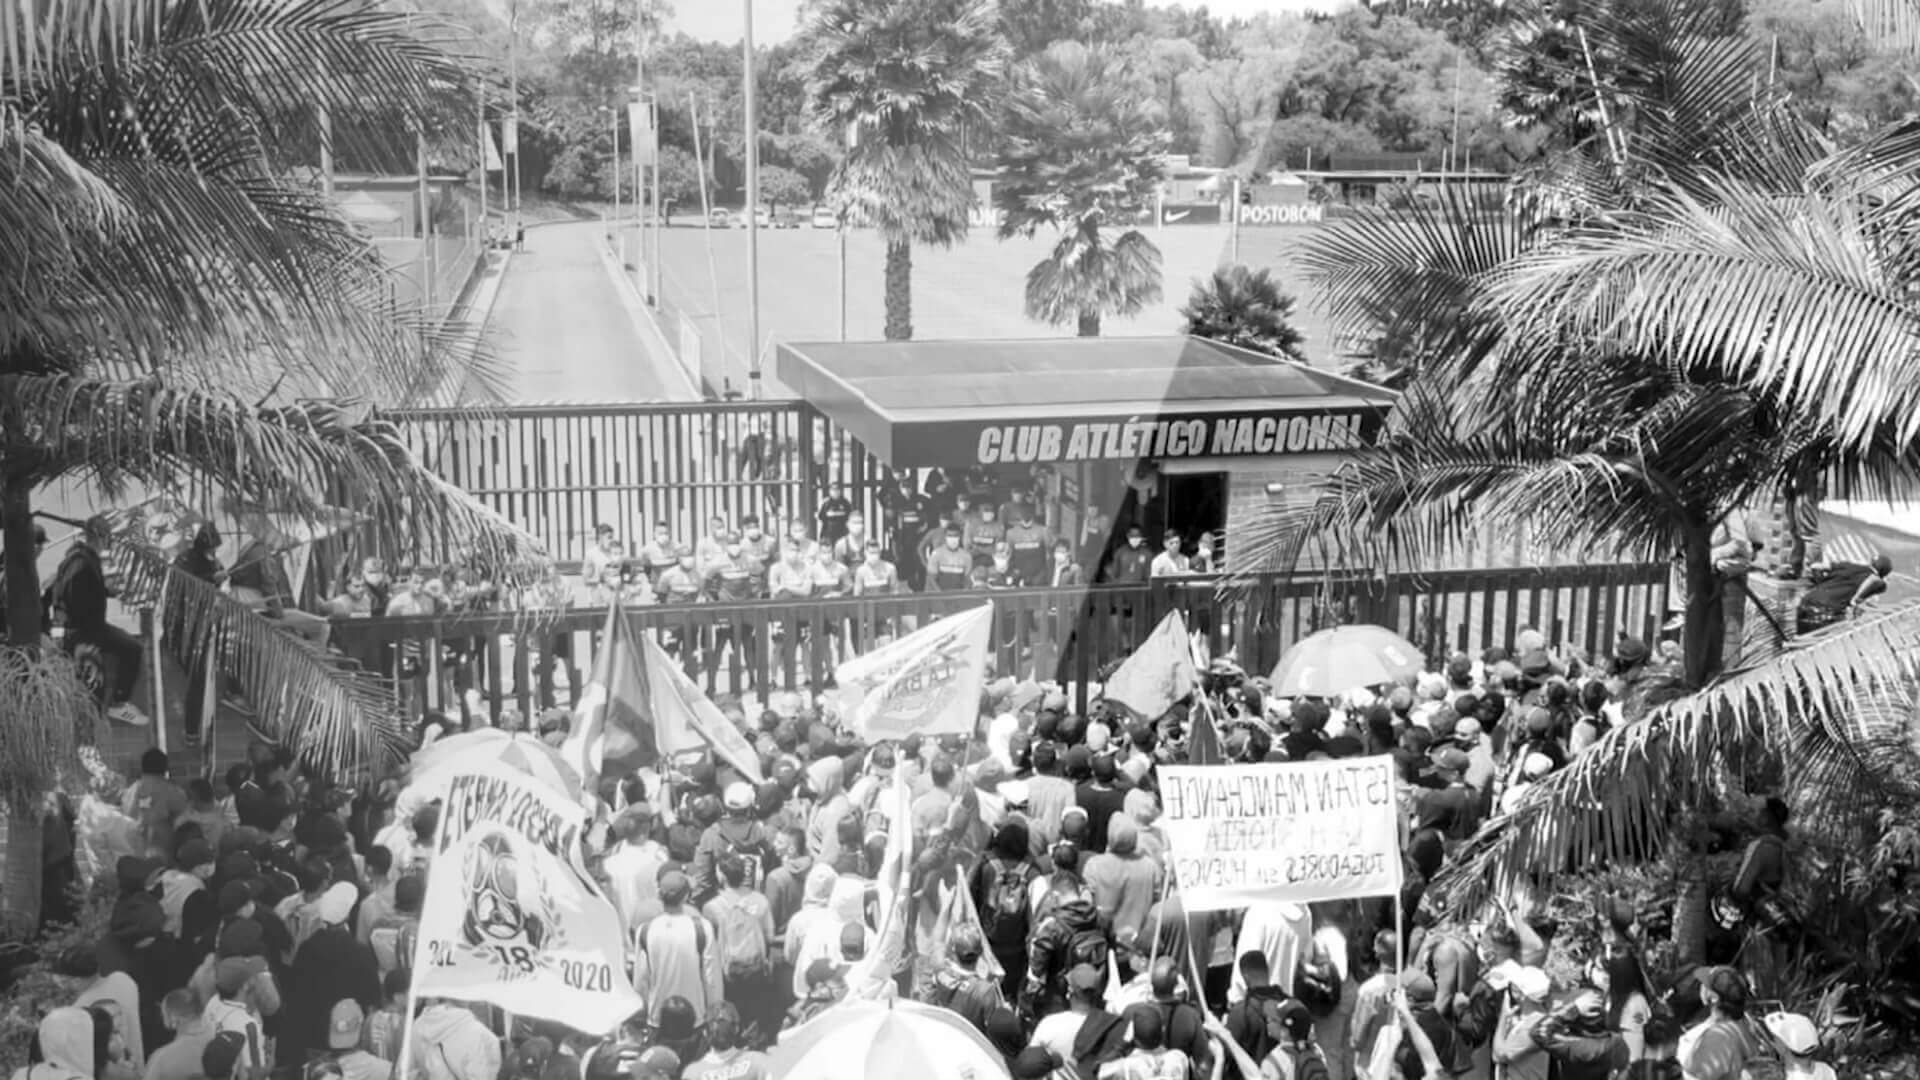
(1089, 273)
(305, 459)
(1785, 295)
(1836, 706)
(51, 713)
(1414, 276)
(1893, 23)
(320, 705)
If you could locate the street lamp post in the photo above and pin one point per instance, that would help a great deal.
(613, 228)
(753, 210)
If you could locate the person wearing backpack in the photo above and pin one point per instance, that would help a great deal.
(673, 953)
(959, 986)
(231, 1009)
(1294, 1055)
(743, 923)
(1002, 888)
(738, 834)
(1069, 935)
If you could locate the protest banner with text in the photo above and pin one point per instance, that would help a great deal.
(511, 916)
(1303, 831)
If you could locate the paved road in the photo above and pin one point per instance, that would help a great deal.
(569, 332)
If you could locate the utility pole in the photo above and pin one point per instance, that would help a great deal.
(753, 209)
(485, 145)
(1233, 207)
(511, 142)
(642, 152)
(614, 234)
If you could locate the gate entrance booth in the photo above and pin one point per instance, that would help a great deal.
(1167, 433)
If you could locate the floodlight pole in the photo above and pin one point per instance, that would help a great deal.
(753, 207)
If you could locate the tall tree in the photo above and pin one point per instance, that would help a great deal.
(1246, 308)
(176, 315)
(907, 81)
(1597, 375)
(1082, 157)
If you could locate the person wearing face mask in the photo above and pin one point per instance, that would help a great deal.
(1030, 541)
(660, 554)
(1064, 572)
(910, 513)
(984, 534)
(737, 579)
(792, 577)
(680, 583)
(1131, 565)
(875, 576)
(756, 544)
(950, 566)
(1000, 571)
(851, 548)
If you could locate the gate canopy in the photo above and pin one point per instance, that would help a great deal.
(917, 404)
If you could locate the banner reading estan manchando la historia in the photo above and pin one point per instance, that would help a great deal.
(926, 683)
(511, 916)
(1302, 831)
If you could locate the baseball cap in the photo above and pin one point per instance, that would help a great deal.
(1418, 985)
(1531, 983)
(344, 1024)
(337, 902)
(1034, 1063)
(1085, 977)
(853, 941)
(233, 973)
(217, 1061)
(657, 1063)
(739, 796)
(1451, 759)
(1794, 1032)
(675, 887)
(1630, 650)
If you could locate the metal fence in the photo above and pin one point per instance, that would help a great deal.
(559, 470)
(1066, 634)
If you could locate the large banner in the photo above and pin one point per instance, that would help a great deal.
(684, 718)
(511, 917)
(1300, 831)
(1158, 673)
(927, 682)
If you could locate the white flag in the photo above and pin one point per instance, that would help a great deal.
(928, 682)
(511, 916)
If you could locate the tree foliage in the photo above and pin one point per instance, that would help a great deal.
(1081, 153)
(1245, 308)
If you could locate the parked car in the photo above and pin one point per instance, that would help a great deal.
(825, 218)
(760, 217)
(785, 218)
(719, 218)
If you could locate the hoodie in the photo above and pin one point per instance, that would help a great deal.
(1049, 953)
(450, 1043)
(828, 780)
(786, 889)
(846, 906)
(813, 914)
(1123, 881)
(66, 1042)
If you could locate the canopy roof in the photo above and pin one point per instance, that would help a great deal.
(948, 403)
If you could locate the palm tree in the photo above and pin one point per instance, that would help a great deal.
(1081, 155)
(1694, 309)
(1244, 307)
(908, 83)
(178, 315)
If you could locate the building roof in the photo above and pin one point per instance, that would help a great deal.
(889, 393)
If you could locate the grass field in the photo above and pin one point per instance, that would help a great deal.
(972, 291)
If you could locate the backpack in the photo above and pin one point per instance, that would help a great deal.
(393, 944)
(745, 849)
(1087, 946)
(1309, 1065)
(743, 949)
(222, 1015)
(1008, 903)
(699, 936)
(1317, 986)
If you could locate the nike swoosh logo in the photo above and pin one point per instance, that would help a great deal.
(1171, 218)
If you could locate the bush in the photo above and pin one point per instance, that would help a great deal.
(38, 986)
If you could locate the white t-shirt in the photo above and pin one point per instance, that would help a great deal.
(1056, 1032)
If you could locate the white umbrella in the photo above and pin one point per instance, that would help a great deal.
(870, 1040)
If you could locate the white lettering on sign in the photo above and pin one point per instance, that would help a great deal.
(1307, 214)
(1301, 831)
(1226, 436)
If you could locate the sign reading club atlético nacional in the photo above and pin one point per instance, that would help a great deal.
(1174, 437)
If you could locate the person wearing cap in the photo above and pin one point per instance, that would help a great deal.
(1579, 1043)
(1719, 1047)
(1797, 1040)
(346, 1025)
(1084, 1030)
(658, 1063)
(240, 981)
(451, 1043)
(192, 912)
(329, 966)
(823, 985)
(737, 833)
(676, 953)
(1527, 990)
(729, 1057)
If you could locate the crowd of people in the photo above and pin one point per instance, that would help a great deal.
(264, 925)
